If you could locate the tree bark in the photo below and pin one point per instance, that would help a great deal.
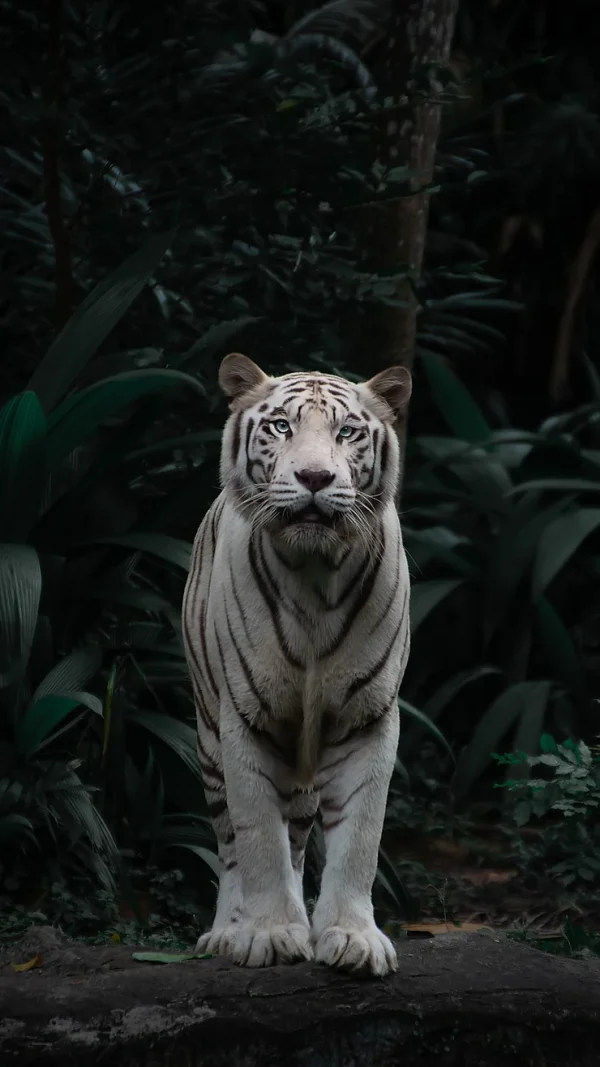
(463, 999)
(392, 232)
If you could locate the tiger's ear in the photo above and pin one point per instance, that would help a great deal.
(394, 386)
(238, 375)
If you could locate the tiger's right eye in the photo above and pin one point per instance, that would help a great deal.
(282, 426)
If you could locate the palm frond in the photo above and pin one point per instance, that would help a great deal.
(358, 20)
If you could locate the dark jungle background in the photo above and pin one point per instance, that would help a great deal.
(185, 179)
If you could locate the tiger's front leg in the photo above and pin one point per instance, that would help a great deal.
(354, 779)
(273, 926)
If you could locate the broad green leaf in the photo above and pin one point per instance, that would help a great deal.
(71, 673)
(442, 697)
(93, 321)
(425, 596)
(15, 825)
(141, 599)
(491, 729)
(78, 416)
(440, 700)
(210, 342)
(513, 553)
(569, 485)
(561, 657)
(171, 549)
(487, 481)
(22, 465)
(204, 854)
(548, 744)
(41, 718)
(559, 542)
(167, 444)
(179, 736)
(168, 957)
(20, 591)
(425, 722)
(437, 544)
(459, 410)
(592, 374)
(530, 728)
(407, 906)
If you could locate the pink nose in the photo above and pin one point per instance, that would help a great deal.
(314, 480)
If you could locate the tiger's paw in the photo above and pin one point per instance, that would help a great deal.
(252, 945)
(368, 951)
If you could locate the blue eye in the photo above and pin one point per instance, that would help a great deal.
(282, 426)
(345, 431)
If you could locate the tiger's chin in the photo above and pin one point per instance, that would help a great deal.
(313, 533)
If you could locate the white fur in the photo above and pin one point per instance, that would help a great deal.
(300, 695)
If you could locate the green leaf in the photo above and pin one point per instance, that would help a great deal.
(42, 718)
(20, 591)
(168, 957)
(180, 737)
(531, 725)
(513, 552)
(78, 416)
(440, 700)
(560, 654)
(559, 542)
(204, 854)
(93, 321)
(171, 549)
(71, 673)
(404, 903)
(15, 825)
(493, 726)
(548, 744)
(210, 342)
(425, 596)
(459, 410)
(39, 720)
(426, 722)
(22, 465)
(450, 689)
(569, 485)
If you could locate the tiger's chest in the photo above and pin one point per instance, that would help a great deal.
(287, 643)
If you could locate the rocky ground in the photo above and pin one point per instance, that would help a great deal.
(468, 999)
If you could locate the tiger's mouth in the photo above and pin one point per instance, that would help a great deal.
(310, 516)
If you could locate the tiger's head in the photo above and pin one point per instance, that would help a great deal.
(311, 457)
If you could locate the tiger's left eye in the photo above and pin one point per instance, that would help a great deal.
(345, 431)
(282, 425)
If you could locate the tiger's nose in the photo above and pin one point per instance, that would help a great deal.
(314, 480)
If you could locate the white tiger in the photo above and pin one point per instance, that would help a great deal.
(296, 628)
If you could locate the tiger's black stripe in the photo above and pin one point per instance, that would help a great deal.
(272, 605)
(365, 679)
(237, 436)
(392, 597)
(260, 699)
(363, 598)
(249, 429)
(240, 606)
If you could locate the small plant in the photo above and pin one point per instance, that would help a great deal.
(573, 789)
(568, 851)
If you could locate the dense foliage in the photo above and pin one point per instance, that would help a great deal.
(177, 184)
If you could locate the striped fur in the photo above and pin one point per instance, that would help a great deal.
(296, 628)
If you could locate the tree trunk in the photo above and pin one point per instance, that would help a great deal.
(392, 232)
